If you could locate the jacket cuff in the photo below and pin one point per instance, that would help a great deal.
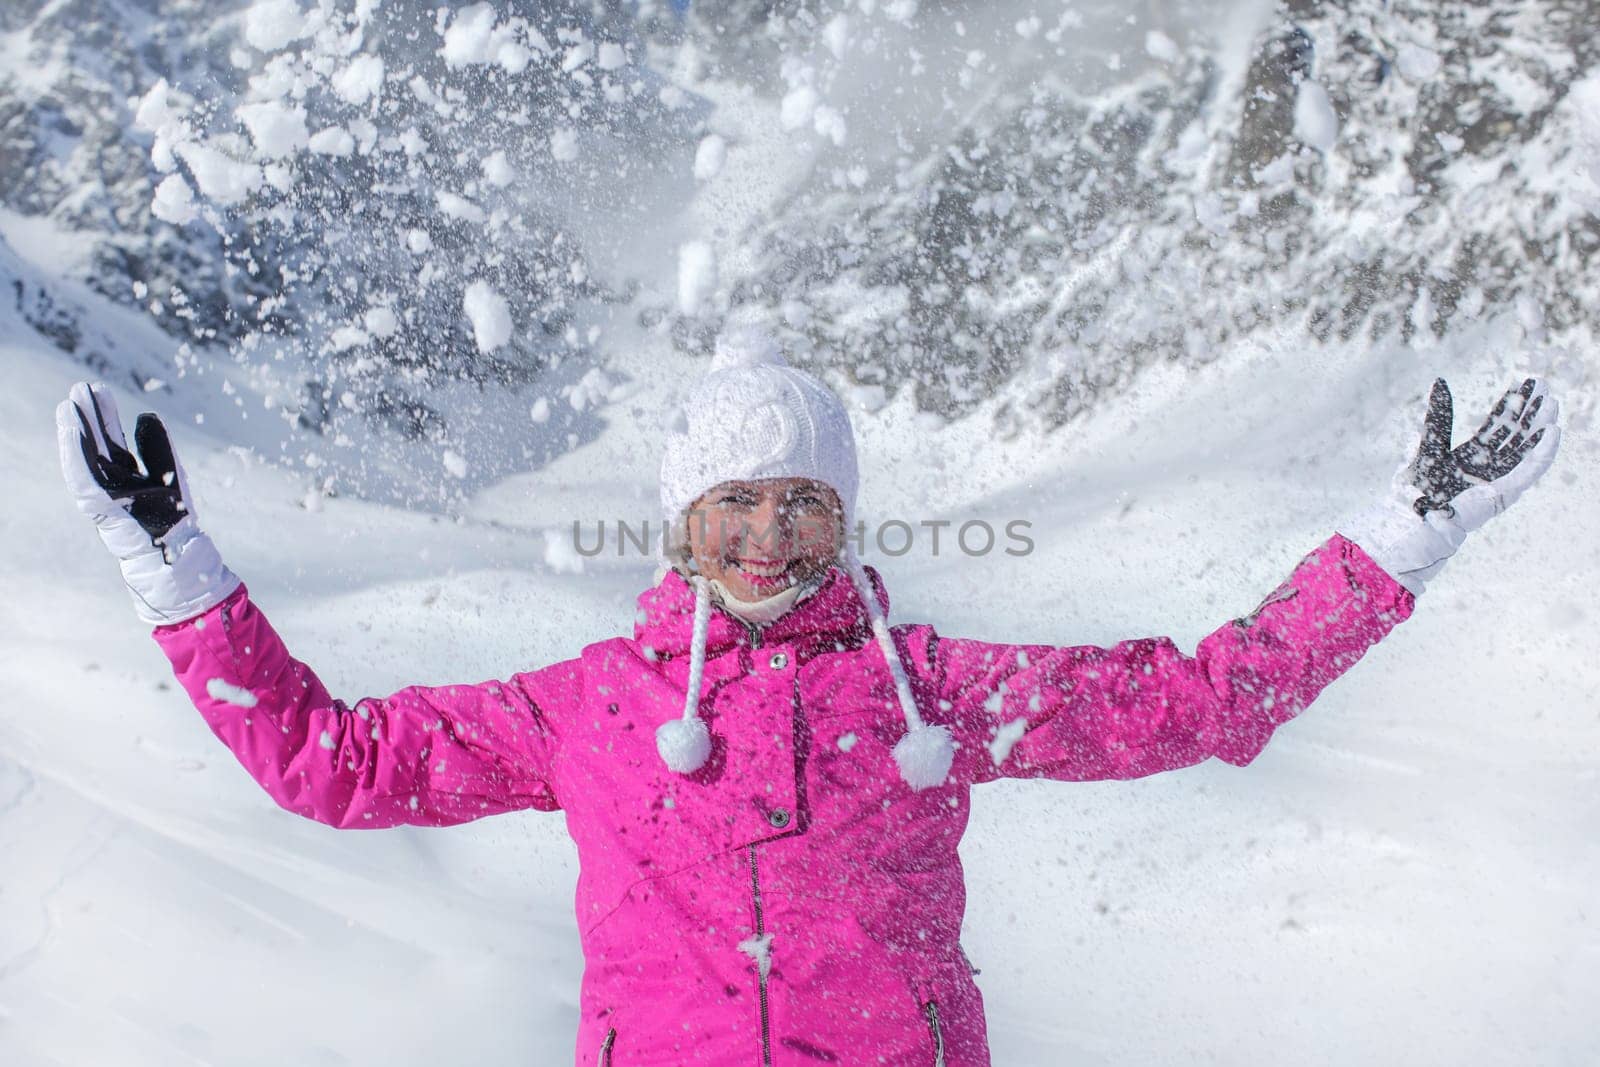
(177, 580)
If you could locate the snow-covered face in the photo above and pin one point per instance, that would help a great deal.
(759, 537)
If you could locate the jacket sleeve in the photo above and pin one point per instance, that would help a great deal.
(424, 756)
(1141, 707)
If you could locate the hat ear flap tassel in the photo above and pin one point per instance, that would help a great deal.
(924, 756)
(684, 744)
(926, 752)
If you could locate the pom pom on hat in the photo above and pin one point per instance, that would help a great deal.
(746, 344)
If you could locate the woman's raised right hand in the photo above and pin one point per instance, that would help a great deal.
(140, 504)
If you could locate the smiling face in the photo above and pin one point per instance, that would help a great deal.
(759, 537)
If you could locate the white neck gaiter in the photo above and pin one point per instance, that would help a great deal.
(761, 612)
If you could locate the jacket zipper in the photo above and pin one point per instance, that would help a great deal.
(761, 929)
(605, 1047)
(931, 1010)
(755, 897)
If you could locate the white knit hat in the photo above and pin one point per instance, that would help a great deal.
(752, 417)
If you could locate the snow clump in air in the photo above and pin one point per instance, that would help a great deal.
(225, 691)
(1586, 96)
(173, 201)
(564, 145)
(1158, 45)
(560, 554)
(1315, 122)
(155, 112)
(592, 390)
(470, 36)
(459, 207)
(830, 124)
(901, 10)
(272, 24)
(1005, 738)
(221, 178)
(473, 38)
(497, 169)
(276, 129)
(360, 80)
(1418, 64)
(333, 141)
(579, 54)
(697, 276)
(836, 35)
(799, 104)
(346, 337)
(709, 157)
(381, 321)
(489, 314)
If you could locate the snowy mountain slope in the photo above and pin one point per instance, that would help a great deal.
(1406, 874)
(1041, 201)
(969, 199)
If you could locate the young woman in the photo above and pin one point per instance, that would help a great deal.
(767, 784)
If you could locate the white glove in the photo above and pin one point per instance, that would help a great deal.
(1443, 494)
(140, 505)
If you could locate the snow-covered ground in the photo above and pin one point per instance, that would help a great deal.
(1407, 875)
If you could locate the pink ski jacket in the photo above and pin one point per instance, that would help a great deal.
(793, 902)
